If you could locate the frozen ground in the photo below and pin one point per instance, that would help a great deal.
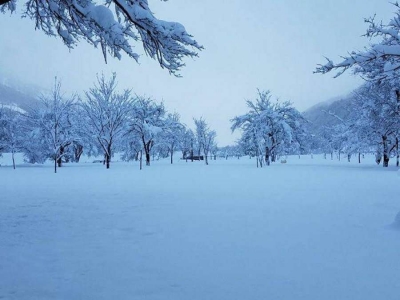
(308, 229)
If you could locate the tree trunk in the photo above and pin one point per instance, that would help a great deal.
(191, 149)
(273, 156)
(141, 158)
(397, 152)
(13, 158)
(385, 151)
(257, 157)
(59, 160)
(267, 155)
(108, 156)
(378, 156)
(332, 155)
(359, 157)
(147, 147)
(397, 139)
(78, 150)
(348, 157)
(55, 164)
(184, 156)
(272, 150)
(108, 161)
(147, 158)
(172, 154)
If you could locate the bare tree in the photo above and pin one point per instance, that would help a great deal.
(50, 124)
(205, 137)
(12, 133)
(173, 133)
(106, 114)
(146, 122)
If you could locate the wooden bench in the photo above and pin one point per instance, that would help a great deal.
(195, 157)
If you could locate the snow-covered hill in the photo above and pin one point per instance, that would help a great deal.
(318, 115)
(15, 93)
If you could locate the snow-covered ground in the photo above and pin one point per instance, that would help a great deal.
(307, 229)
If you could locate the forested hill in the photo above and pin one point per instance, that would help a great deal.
(10, 95)
(319, 114)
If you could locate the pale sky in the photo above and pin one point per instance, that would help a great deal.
(272, 45)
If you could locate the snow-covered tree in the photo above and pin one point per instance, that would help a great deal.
(205, 137)
(12, 133)
(131, 148)
(186, 144)
(269, 126)
(231, 151)
(326, 141)
(251, 143)
(371, 123)
(172, 133)
(379, 117)
(380, 61)
(113, 25)
(51, 126)
(106, 112)
(146, 122)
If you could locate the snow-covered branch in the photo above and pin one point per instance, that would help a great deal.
(380, 61)
(115, 32)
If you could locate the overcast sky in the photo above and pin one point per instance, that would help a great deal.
(273, 45)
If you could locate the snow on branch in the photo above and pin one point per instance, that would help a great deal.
(72, 20)
(379, 61)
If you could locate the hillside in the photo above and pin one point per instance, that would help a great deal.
(318, 114)
(24, 97)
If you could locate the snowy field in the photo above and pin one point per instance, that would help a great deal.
(308, 229)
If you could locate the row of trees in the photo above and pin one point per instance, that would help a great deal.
(103, 122)
(106, 121)
(371, 125)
